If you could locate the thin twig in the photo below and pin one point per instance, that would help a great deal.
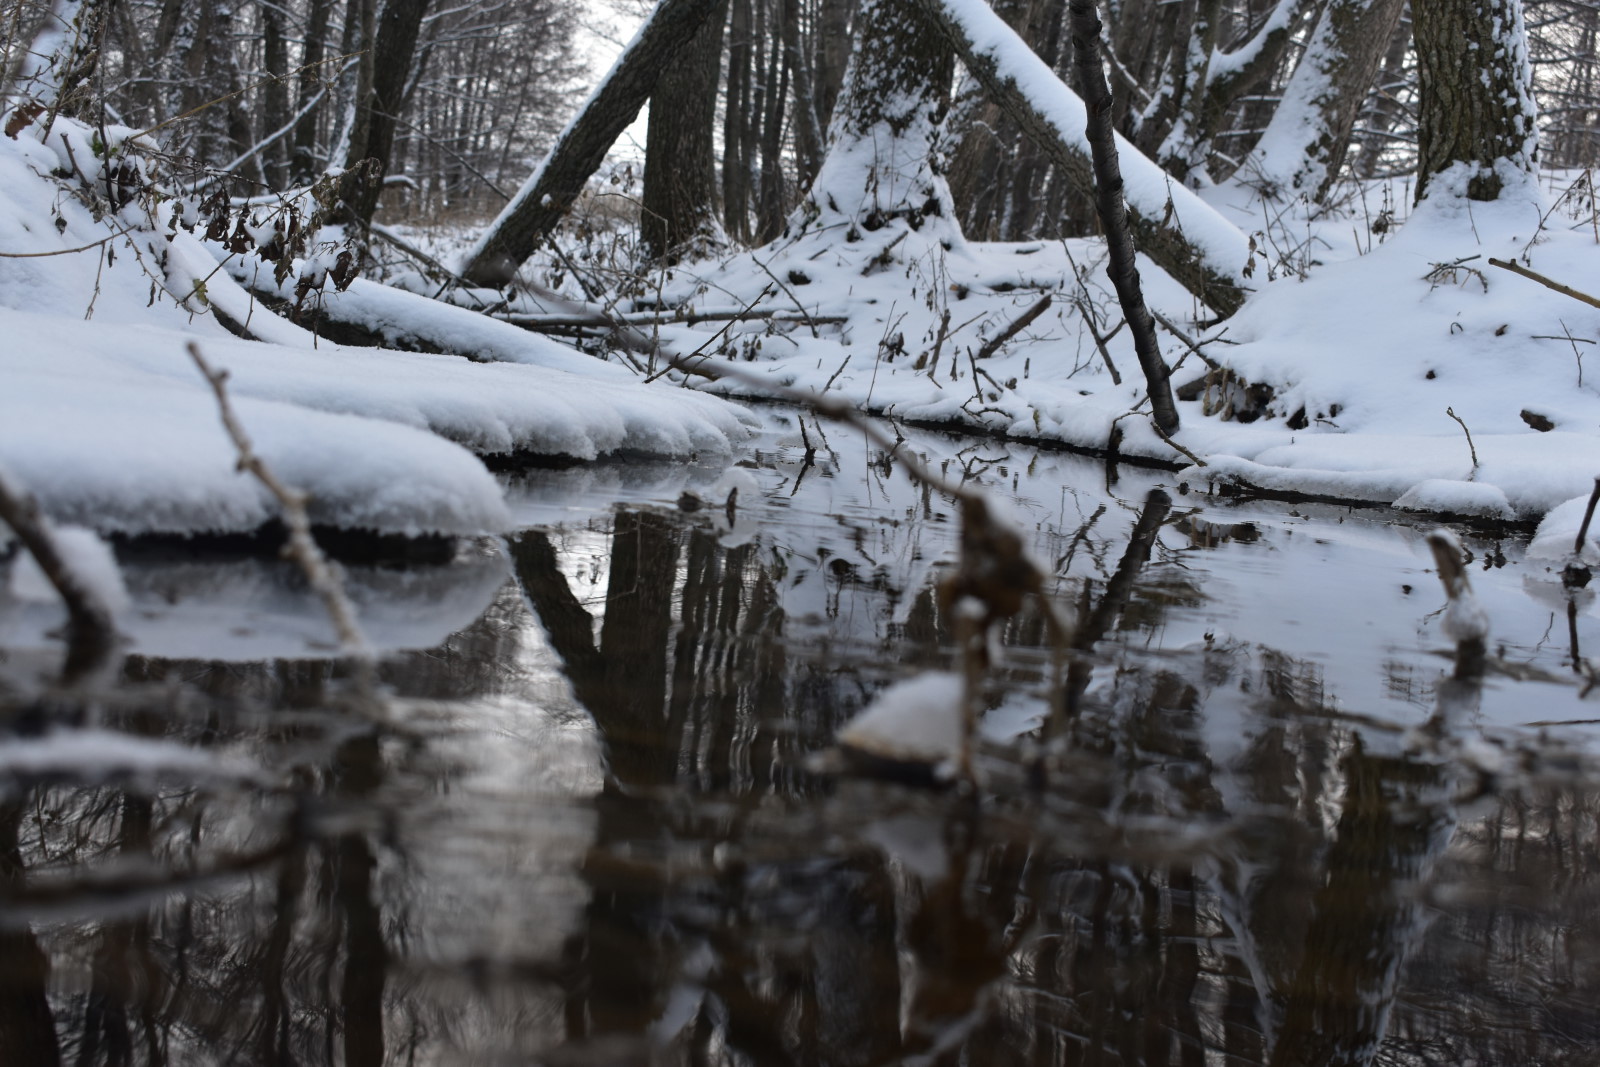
(1548, 283)
(1022, 323)
(1452, 413)
(301, 546)
(1198, 462)
(1190, 343)
(790, 294)
(59, 251)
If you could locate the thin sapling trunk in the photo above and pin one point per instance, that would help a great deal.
(1113, 212)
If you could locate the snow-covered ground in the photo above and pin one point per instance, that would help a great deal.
(105, 418)
(1365, 342)
(1380, 359)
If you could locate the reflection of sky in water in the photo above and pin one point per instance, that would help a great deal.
(583, 817)
(1349, 592)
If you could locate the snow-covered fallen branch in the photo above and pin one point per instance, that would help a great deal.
(1187, 237)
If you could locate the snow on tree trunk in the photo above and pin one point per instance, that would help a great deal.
(1305, 143)
(1475, 105)
(1184, 235)
(881, 161)
(60, 67)
(545, 198)
(1203, 82)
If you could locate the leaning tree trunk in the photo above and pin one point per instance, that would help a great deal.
(680, 167)
(881, 163)
(1475, 106)
(1185, 236)
(550, 193)
(1113, 211)
(58, 71)
(1305, 143)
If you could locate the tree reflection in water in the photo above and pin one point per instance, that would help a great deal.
(1122, 891)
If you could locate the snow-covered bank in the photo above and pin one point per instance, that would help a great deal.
(1368, 355)
(106, 419)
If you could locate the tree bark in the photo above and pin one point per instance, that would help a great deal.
(880, 163)
(373, 138)
(1305, 143)
(303, 163)
(1475, 104)
(275, 95)
(1157, 216)
(547, 196)
(680, 168)
(1113, 211)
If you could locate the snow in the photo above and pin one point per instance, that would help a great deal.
(1556, 537)
(105, 418)
(914, 721)
(125, 438)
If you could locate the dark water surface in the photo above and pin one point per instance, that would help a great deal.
(1247, 822)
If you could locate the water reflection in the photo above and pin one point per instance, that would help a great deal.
(1247, 817)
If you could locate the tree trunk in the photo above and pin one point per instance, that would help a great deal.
(880, 162)
(833, 54)
(304, 165)
(1305, 143)
(275, 95)
(680, 176)
(1386, 109)
(769, 209)
(547, 196)
(735, 156)
(1186, 237)
(1475, 106)
(982, 164)
(1113, 211)
(373, 136)
(807, 130)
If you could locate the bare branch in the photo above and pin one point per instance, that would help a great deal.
(301, 546)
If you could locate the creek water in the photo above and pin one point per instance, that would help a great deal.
(1246, 818)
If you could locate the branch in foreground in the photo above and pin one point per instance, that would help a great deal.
(301, 546)
(91, 634)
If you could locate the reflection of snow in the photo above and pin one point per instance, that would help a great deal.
(247, 610)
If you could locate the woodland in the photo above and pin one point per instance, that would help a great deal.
(610, 702)
(1239, 240)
